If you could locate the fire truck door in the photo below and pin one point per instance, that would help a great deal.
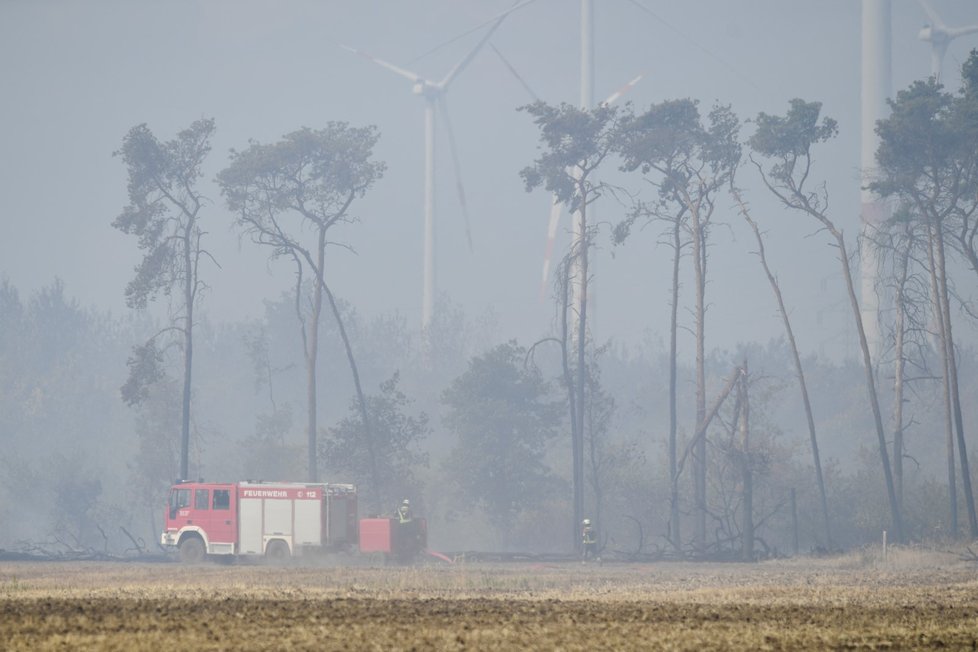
(218, 519)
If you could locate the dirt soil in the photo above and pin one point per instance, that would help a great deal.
(911, 600)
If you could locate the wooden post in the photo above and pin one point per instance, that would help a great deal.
(794, 523)
(748, 481)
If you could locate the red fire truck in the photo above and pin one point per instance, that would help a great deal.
(275, 519)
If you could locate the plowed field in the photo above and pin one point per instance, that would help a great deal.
(912, 600)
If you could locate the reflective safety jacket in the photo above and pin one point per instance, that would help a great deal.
(403, 514)
(587, 535)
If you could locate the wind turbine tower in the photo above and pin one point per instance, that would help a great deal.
(587, 54)
(587, 103)
(876, 75)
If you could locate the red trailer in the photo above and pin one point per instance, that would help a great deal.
(275, 519)
(402, 542)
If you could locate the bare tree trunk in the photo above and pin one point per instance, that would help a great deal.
(674, 525)
(581, 360)
(748, 480)
(966, 239)
(952, 367)
(571, 392)
(312, 354)
(188, 349)
(897, 520)
(595, 473)
(809, 203)
(799, 371)
(361, 400)
(794, 523)
(898, 372)
(946, 378)
(699, 450)
(188, 356)
(710, 414)
(311, 466)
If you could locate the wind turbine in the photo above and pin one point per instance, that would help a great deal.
(433, 93)
(939, 36)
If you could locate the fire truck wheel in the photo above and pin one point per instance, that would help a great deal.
(192, 550)
(277, 551)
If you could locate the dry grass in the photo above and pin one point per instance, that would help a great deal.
(913, 599)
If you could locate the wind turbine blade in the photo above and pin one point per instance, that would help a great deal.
(955, 32)
(502, 14)
(517, 5)
(460, 66)
(935, 20)
(384, 64)
(458, 169)
(555, 210)
(508, 65)
(621, 91)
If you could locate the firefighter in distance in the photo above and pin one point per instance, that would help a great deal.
(408, 535)
(589, 542)
(404, 512)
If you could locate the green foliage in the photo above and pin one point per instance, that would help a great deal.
(787, 142)
(314, 175)
(76, 495)
(788, 138)
(305, 183)
(145, 369)
(267, 455)
(397, 438)
(918, 141)
(602, 456)
(576, 141)
(458, 337)
(669, 131)
(155, 464)
(163, 206)
(793, 134)
(503, 415)
(927, 153)
(928, 159)
(671, 141)
(163, 213)
(58, 400)
(686, 160)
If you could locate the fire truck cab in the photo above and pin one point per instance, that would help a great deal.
(275, 519)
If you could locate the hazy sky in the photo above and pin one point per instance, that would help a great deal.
(75, 76)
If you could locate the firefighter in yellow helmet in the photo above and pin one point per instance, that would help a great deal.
(404, 512)
(589, 542)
